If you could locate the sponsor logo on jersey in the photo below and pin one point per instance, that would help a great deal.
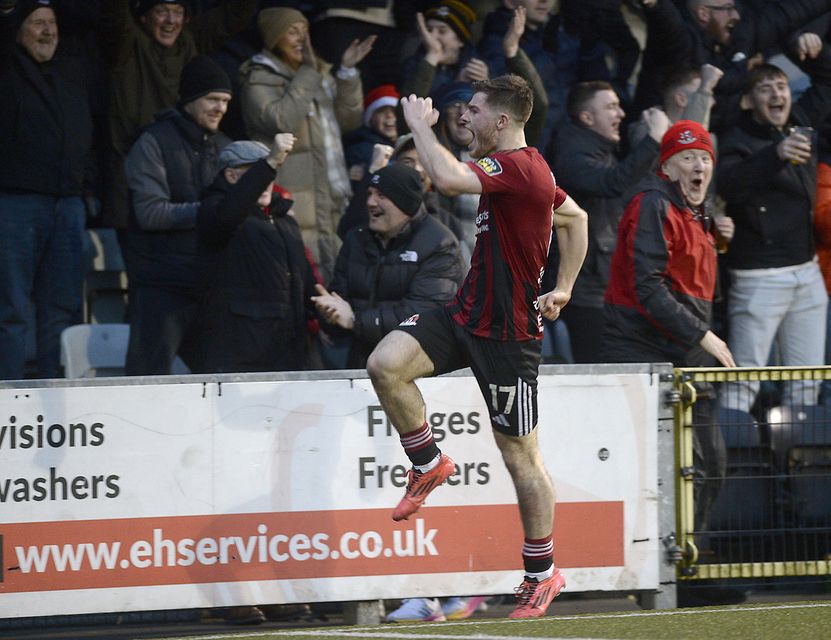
(489, 165)
(482, 222)
(410, 322)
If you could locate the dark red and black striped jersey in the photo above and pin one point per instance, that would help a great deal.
(498, 299)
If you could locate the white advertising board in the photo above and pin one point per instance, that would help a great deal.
(130, 497)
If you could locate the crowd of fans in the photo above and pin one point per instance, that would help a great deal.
(119, 114)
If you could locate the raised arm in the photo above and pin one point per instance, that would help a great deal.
(349, 96)
(118, 30)
(580, 170)
(218, 218)
(701, 100)
(448, 175)
(519, 63)
(777, 20)
(213, 27)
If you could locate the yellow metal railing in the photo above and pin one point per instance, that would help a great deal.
(784, 548)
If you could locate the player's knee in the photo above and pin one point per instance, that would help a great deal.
(381, 365)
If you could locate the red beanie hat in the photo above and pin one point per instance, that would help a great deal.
(685, 134)
(385, 95)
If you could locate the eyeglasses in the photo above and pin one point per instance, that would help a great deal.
(729, 8)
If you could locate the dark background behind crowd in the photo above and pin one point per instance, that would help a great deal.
(85, 82)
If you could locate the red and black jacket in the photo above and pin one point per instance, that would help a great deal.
(663, 278)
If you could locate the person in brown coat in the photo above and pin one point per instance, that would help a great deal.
(286, 88)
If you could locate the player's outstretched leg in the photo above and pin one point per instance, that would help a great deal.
(393, 367)
(420, 484)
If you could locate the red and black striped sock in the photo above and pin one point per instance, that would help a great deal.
(538, 556)
(420, 446)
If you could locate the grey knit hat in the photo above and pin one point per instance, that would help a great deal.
(241, 152)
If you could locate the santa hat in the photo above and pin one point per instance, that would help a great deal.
(385, 95)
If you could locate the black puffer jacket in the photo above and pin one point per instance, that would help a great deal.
(587, 166)
(255, 279)
(771, 200)
(420, 269)
(47, 127)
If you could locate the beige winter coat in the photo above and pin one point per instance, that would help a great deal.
(316, 107)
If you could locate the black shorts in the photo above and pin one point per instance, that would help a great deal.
(506, 371)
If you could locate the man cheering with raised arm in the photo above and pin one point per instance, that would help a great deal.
(494, 324)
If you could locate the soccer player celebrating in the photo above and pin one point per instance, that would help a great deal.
(494, 324)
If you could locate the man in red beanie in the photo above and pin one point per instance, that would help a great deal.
(663, 273)
(663, 278)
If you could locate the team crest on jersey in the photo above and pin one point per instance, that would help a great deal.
(489, 165)
(410, 322)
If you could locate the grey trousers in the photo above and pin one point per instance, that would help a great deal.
(788, 305)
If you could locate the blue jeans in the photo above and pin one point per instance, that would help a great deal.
(41, 240)
(556, 344)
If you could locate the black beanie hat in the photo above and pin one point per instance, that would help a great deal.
(200, 77)
(143, 6)
(26, 7)
(402, 184)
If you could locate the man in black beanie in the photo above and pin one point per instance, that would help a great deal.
(399, 262)
(167, 169)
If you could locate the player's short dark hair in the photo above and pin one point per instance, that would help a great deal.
(510, 93)
(676, 80)
(764, 71)
(581, 94)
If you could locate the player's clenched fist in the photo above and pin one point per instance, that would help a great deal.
(419, 111)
